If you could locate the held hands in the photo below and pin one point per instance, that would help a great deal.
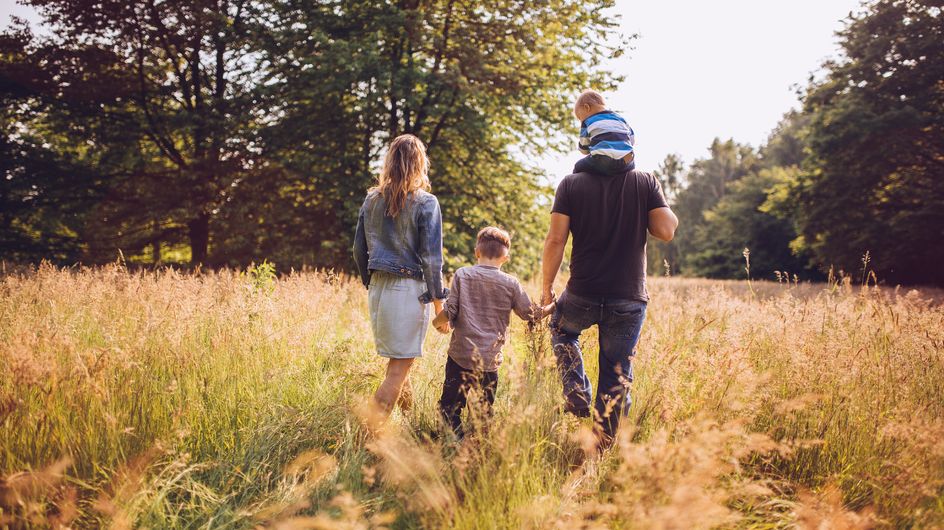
(441, 322)
(548, 302)
(548, 297)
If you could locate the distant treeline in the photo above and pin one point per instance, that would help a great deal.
(227, 131)
(853, 182)
(223, 132)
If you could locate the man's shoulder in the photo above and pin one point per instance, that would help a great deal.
(640, 175)
(576, 178)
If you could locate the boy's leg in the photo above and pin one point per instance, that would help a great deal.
(453, 398)
(489, 382)
(482, 386)
(619, 332)
(571, 317)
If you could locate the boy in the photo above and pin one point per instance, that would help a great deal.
(605, 137)
(479, 308)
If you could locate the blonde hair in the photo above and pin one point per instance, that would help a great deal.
(590, 97)
(405, 170)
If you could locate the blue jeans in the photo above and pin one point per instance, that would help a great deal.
(620, 322)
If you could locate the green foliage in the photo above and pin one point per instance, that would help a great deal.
(876, 137)
(252, 130)
(857, 171)
(728, 202)
(261, 277)
(737, 222)
(705, 184)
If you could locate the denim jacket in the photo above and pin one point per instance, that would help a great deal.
(408, 245)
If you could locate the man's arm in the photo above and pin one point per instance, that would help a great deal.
(662, 223)
(554, 245)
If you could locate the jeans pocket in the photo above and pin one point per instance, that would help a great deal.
(573, 314)
(628, 312)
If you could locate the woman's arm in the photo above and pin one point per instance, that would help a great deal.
(429, 225)
(360, 249)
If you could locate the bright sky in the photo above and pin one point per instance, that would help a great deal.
(700, 70)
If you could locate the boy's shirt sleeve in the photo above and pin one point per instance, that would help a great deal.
(583, 145)
(522, 303)
(451, 307)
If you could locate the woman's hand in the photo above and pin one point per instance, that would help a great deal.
(441, 322)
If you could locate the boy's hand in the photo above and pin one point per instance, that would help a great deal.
(441, 322)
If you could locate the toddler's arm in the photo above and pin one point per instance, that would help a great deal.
(583, 145)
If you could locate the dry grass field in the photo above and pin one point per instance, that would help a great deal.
(232, 400)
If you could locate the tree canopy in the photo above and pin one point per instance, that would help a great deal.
(225, 131)
(858, 170)
(222, 132)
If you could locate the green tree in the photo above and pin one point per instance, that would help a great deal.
(739, 221)
(705, 184)
(157, 99)
(486, 86)
(746, 218)
(873, 181)
(251, 130)
(663, 257)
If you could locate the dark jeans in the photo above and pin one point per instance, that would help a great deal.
(459, 382)
(620, 322)
(603, 165)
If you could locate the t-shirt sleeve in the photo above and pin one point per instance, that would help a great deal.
(522, 303)
(656, 198)
(561, 202)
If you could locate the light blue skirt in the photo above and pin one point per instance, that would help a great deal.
(397, 317)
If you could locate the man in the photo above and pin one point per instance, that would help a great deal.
(609, 216)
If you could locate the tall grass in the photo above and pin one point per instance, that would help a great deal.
(228, 400)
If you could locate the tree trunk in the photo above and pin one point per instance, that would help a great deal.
(199, 232)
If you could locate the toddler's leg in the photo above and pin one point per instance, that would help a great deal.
(585, 165)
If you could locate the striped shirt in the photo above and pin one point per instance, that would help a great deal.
(606, 133)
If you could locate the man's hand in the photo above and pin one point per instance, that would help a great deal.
(548, 309)
(548, 297)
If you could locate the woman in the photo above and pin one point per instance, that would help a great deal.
(398, 251)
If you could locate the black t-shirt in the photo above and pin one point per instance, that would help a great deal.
(609, 219)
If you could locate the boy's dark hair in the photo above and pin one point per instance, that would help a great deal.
(493, 242)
